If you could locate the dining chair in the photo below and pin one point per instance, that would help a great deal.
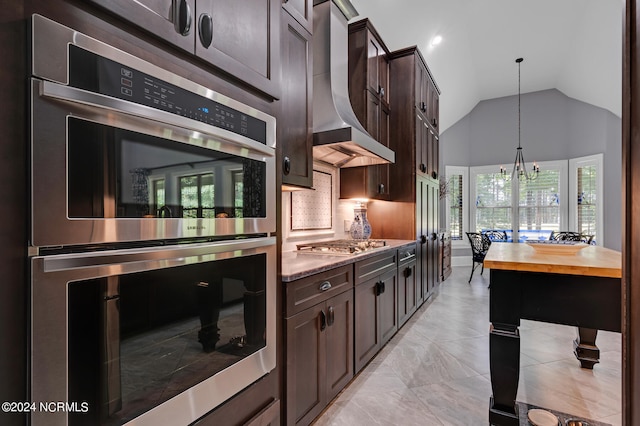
(495, 234)
(479, 246)
(571, 236)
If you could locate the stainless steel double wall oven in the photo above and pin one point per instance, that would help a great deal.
(153, 260)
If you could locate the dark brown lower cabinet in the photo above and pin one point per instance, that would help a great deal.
(319, 346)
(376, 306)
(407, 291)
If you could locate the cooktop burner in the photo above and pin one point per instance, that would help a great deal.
(340, 247)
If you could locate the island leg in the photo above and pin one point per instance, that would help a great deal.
(504, 354)
(585, 349)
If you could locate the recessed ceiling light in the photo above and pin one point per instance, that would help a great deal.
(436, 40)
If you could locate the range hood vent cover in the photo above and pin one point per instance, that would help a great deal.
(338, 137)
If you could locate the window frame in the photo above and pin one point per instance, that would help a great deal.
(464, 172)
(598, 161)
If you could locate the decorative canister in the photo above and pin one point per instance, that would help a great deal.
(360, 227)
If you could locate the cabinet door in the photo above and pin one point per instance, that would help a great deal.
(422, 146)
(367, 337)
(373, 116)
(421, 86)
(432, 220)
(244, 40)
(173, 21)
(302, 11)
(374, 52)
(434, 107)
(431, 150)
(384, 83)
(295, 125)
(339, 343)
(388, 306)
(406, 291)
(423, 251)
(305, 383)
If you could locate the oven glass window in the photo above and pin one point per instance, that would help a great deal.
(116, 173)
(137, 340)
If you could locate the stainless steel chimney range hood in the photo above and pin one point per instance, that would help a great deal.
(338, 137)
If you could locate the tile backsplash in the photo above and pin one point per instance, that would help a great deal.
(316, 215)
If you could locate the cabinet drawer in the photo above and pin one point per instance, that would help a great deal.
(377, 265)
(306, 292)
(406, 254)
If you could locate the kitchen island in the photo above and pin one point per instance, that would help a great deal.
(581, 289)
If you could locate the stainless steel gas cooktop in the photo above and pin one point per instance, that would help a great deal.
(340, 247)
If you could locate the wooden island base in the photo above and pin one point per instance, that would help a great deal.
(583, 290)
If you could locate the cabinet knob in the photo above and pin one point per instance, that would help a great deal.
(381, 188)
(423, 107)
(423, 239)
(182, 17)
(423, 168)
(205, 30)
(286, 165)
(407, 272)
(381, 91)
(326, 285)
(434, 122)
(434, 174)
(323, 321)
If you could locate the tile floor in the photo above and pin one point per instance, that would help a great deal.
(435, 370)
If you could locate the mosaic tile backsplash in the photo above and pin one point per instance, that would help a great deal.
(311, 210)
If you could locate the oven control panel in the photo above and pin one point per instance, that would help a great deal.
(97, 74)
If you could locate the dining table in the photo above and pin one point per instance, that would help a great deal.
(577, 285)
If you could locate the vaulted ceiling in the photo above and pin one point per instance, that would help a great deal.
(574, 46)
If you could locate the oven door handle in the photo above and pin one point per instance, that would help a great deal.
(49, 89)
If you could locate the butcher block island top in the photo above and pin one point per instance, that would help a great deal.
(592, 260)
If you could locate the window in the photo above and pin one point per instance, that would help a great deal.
(197, 195)
(542, 202)
(492, 205)
(532, 208)
(238, 193)
(585, 208)
(454, 192)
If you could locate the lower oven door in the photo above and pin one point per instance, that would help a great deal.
(150, 336)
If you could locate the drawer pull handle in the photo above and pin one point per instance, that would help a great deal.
(325, 286)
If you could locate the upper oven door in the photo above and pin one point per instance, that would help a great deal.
(122, 150)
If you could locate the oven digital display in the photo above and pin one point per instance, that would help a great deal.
(91, 72)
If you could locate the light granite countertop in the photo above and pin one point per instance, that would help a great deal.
(300, 265)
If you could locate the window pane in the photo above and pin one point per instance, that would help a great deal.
(454, 184)
(587, 201)
(158, 193)
(493, 202)
(539, 202)
(207, 190)
(189, 192)
(238, 192)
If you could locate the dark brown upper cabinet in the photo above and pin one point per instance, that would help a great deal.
(427, 94)
(245, 40)
(173, 21)
(370, 94)
(416, 118)
(302, 11)
(241, 38)
(295, 125)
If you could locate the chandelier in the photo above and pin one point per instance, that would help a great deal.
(519, 166)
